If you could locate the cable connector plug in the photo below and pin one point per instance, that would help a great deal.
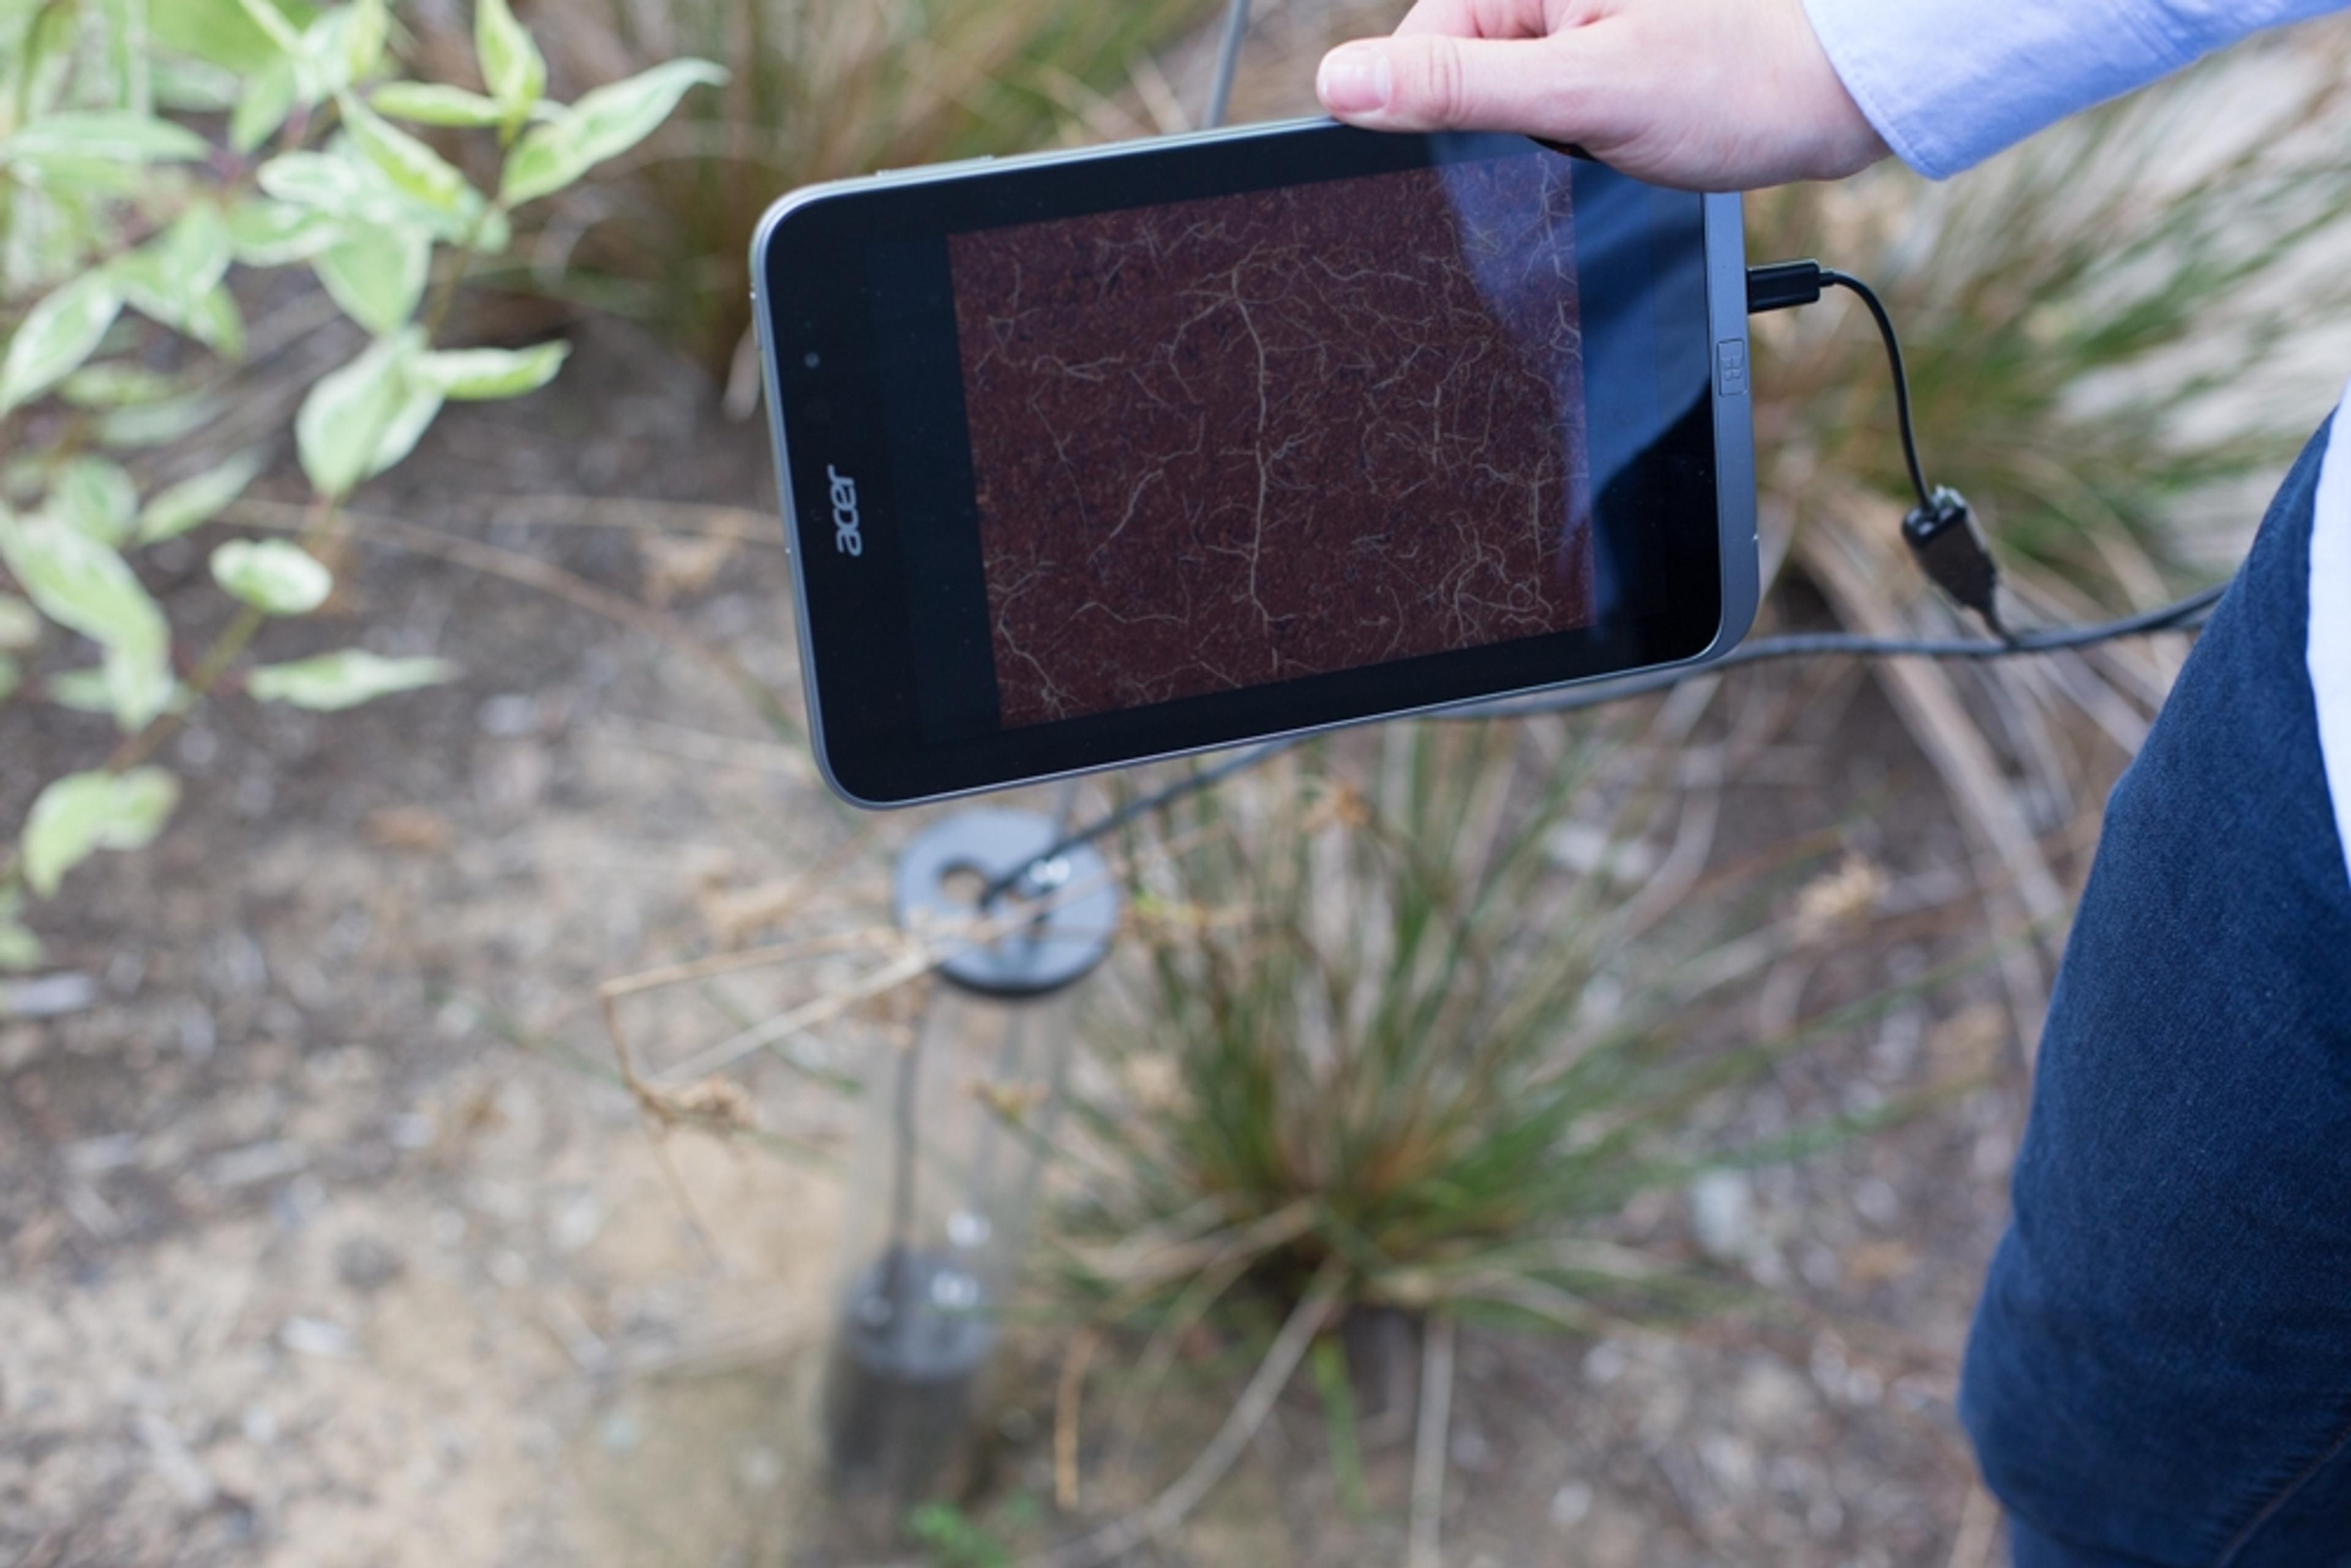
(1783, 285)
(1940, 530)
(1950, 549)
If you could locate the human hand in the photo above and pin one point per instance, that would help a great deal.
(1716, 95)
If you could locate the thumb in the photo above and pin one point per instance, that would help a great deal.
(1430, 81)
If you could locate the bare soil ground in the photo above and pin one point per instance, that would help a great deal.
(327, 1237)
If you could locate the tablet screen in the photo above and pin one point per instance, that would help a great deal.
(1223, 443)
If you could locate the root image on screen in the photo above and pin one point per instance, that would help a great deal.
(1222, 443)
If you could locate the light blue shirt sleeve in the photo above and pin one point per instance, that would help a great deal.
(1950, 82)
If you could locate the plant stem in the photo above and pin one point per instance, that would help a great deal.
(232, 640)
(1328, 1362)
(445, 292)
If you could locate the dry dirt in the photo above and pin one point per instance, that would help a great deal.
(328, 1238)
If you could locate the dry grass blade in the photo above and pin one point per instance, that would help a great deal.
(1923, 695)
(2099, 326)
(1205, 1282)
(1171, 1507)
(1427, 1517)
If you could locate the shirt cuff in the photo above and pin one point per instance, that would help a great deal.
(1948, 83)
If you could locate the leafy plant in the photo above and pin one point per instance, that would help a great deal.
(951, 1538)
(147, 154)
(820, 91)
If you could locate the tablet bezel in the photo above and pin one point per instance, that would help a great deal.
(854, 610)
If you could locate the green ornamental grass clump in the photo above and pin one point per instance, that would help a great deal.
(1427, 1013)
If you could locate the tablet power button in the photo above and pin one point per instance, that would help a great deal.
(1731, 367)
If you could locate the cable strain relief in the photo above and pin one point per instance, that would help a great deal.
(1950, 549)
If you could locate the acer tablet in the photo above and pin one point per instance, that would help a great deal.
(1095, 457)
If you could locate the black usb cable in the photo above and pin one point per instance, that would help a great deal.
(1941, 529)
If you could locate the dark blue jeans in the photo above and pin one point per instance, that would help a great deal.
(2161, 1371)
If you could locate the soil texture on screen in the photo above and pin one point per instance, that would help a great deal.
(1223, 442)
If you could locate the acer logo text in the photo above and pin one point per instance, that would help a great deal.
(848, 536)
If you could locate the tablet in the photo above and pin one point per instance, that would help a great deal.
(1096, 458)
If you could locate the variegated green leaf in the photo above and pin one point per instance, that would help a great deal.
(79, 815)
(19, 948)
(603, 124)
(472, 375)
(216, 323)
(170, 277)
(272, 233)
(86, 587)
(415, 416)
(82, 691)
(274, 25)
(111, 135)
(192, 503)
(347, 414)
(273, 576)
(326, 183)
(100, 691)
(512, 67)
(81, 584)
(138, 686)
(20, 623)
(377, 276)
(344, 183)
(130, 55)
(116, 384)
(96, 497)
(157, 423)
(268, 98)
(432, 104)
(405, 161)
(218, 32)
(359, 34)
(56, 336)
(332, 682)
(194, 87)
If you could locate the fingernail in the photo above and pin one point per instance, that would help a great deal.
(1355, 79)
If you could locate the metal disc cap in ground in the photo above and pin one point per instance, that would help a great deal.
(1075, 901)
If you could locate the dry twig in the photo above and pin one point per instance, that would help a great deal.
(1069, 1400)
(279, 516)
(1171, 1507)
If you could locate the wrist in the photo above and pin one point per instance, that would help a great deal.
(1848, 138)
